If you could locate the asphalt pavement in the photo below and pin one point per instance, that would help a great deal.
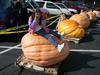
(84, 58)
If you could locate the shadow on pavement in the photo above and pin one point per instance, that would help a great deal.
(87, 38)
(76, 61)
(6, 66)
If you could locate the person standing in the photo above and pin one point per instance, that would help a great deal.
(17, 12)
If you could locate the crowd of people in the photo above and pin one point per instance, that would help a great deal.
(16, 14)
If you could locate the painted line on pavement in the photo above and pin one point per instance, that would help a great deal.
(82, 50)
(17, 47)
(9, 49)
(98, 24)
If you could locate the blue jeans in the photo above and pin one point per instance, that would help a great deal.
(55, 34)
(48, 36)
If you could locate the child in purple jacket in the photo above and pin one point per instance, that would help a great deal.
(37, 24)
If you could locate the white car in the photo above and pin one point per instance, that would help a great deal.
(52, 8)
(32, 6)
(63, 7)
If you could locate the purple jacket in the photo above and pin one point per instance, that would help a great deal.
(34, 25)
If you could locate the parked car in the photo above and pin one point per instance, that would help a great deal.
(76, 5)
(52, 8)
(64, 7)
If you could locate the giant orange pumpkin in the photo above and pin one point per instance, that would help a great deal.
(82, 19)
(70, 28)
(97, 13)
(92, 15)
(40, 51)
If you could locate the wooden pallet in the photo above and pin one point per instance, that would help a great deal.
(23, 62)
(75, 40)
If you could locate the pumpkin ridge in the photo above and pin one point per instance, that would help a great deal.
(78, 33)
(68, 27)
(72, 30)
(36, 45)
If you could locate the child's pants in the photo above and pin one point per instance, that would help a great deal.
(48, 36)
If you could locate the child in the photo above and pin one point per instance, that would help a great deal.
(37, 24)
(61, 18)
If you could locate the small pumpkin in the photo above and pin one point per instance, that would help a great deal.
(70, 28)
(40, 51)
(92, 15)
(82, 19)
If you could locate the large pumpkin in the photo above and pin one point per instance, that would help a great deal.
(40, 51)
(71, 29)
(92, 15)
(97, 13)
(82, 19)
